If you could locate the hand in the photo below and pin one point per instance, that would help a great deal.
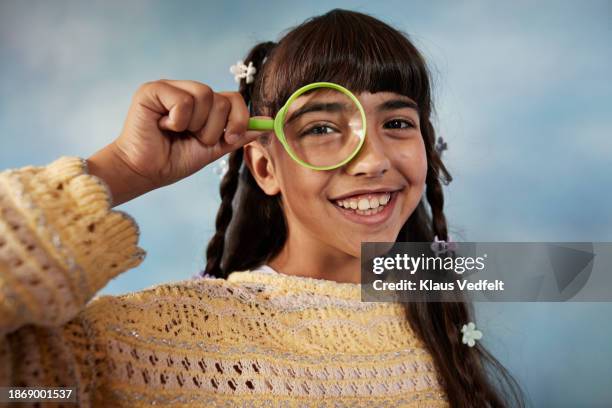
(172, 130)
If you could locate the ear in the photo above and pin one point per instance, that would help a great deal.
(257, 159)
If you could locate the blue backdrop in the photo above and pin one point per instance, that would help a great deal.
(522, 92)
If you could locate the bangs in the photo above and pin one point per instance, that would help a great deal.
(351, 49)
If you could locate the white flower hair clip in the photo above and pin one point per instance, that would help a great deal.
(470, 334)
(439, 246)
(243, 71)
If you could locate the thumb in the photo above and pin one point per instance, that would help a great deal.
(243, 139)
(234, 141)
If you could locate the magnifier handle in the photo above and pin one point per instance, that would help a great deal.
(261, 124)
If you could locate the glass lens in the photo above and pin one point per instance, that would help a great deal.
(323, 127)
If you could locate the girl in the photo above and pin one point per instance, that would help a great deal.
(276, 318)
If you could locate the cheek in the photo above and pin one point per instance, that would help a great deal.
(300, 186)
(411, 161)
(302, 190)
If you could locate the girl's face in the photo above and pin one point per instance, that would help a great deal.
(367, 200)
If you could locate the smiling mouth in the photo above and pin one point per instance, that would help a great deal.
(366, 204)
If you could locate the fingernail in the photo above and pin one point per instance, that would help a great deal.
(232, 138)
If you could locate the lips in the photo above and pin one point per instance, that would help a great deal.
(365, 204)
(372, 216)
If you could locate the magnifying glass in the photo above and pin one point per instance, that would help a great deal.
(322, 126)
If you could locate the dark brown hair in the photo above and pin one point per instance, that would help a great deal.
(363, 54)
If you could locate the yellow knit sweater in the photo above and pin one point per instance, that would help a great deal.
(255, 339)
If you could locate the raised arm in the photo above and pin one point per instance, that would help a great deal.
(61, 242)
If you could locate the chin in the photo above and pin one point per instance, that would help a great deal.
(355, 246)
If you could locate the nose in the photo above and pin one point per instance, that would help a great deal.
(372, 160)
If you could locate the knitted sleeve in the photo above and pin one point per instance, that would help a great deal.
(59, 244)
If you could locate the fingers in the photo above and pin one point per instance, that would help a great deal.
(194, 107)
(217, 120)
(238, 117)
(203, 101)
(215, 123)
(173, 104)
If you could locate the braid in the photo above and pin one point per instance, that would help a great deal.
(438, 323)
(451, 314)
(434, 193)
(229, 183)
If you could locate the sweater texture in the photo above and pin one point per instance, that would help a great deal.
(258, 338)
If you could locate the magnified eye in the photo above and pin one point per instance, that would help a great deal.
(398, 124)
(318, 130)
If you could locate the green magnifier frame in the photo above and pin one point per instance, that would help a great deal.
(277, 124)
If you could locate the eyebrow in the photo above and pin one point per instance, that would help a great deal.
(393, 104)
(317, 107)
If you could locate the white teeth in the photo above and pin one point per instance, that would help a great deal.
(370, 211)
(363, 204)
(366, 206)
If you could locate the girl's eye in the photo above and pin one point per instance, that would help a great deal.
(318, 130)
(398, 124)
